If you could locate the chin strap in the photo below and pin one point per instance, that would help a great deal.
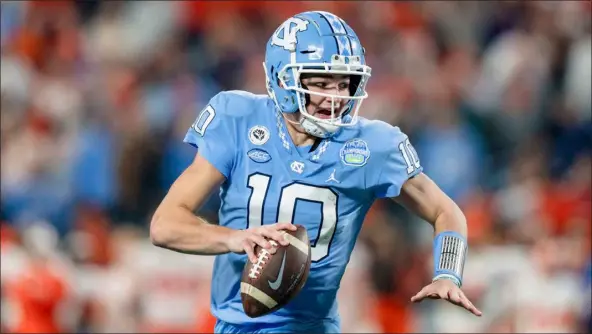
(318, 130)
(313, 128)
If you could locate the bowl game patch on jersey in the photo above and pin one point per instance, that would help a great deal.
(355, 152)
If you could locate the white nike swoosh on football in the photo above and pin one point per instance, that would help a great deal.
(276, 284)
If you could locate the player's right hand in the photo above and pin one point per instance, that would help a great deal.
(244, 241)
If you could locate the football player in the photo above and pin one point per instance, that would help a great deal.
(302, 155)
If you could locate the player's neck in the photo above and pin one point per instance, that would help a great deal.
(299, 138)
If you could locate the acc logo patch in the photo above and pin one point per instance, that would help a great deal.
(355, 152)
(258, 135)
(259, 156)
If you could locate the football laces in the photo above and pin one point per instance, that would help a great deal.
(262, 258)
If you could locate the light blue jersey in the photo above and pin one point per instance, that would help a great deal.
(269, 180)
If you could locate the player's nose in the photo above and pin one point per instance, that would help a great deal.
(337, 98)
(328, 105)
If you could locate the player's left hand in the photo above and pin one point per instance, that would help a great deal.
(447, 290)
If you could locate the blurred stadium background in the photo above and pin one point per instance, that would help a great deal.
(96, 98)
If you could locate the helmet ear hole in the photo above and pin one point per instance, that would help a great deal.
(354, 84)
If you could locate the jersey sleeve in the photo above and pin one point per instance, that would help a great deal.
(401, 163)
(213, 135)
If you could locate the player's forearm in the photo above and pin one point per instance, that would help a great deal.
(427, 200)
(450, 218)
(180, 230)
(424, 198)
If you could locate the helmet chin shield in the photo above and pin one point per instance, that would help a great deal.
(290, 76)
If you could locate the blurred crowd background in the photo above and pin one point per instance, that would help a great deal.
(97, 96)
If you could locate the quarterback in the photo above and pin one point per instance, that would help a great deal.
(302, 155)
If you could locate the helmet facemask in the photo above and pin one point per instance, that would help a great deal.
(290, 79)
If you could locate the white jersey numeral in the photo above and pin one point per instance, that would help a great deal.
(259, 184)
(203, 120)
(290, 194)
(409, 155)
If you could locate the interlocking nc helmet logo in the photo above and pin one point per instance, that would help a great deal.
(298, 167)
(285, 36)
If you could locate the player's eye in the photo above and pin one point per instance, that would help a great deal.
(344, 86)
(320, 84)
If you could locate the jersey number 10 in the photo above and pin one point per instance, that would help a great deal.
(409, 155)
(289, 195)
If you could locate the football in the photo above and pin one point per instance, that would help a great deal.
(275, 279)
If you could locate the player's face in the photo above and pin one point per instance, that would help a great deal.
(337, 85)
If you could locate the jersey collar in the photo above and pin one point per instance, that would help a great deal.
(287, 143)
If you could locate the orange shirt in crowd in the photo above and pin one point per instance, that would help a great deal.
(36, 296)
